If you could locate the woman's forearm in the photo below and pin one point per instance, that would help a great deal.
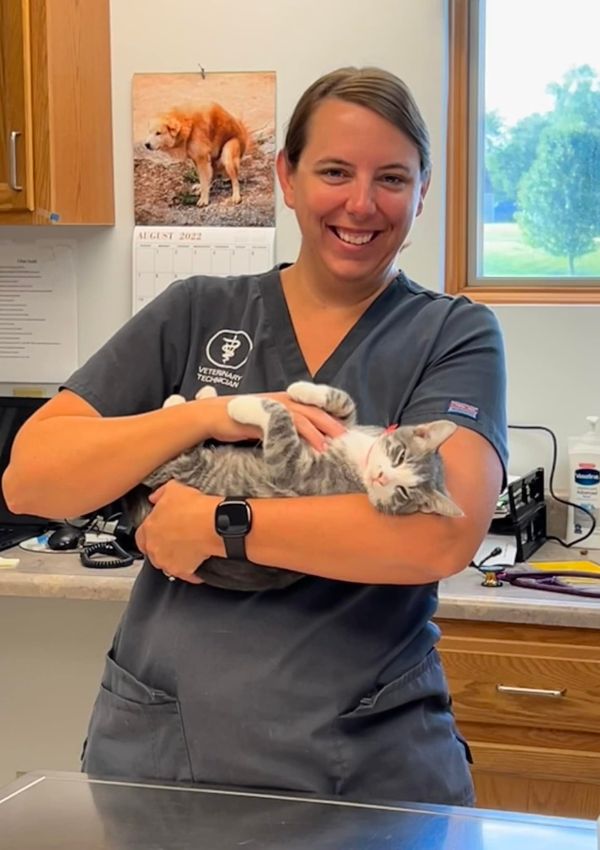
(345, 538)
(67, 465)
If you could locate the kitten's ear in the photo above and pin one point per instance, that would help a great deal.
(435, 433)
(439, 503)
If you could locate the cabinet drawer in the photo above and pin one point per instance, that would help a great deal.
(536, 763)
(525, 779)
(524, 690)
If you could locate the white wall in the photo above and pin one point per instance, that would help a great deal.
(553, 352)
(553, 356)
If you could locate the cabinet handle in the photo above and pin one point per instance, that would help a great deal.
(531, 692)
(13, 161)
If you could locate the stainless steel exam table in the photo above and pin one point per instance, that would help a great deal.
(72, 811)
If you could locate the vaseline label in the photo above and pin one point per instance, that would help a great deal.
(587, 477)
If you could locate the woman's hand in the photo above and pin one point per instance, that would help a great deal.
(313, 424)
(178, 534)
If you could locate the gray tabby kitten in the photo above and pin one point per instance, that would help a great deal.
(399, 468)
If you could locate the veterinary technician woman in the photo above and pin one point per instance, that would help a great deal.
(332, 685)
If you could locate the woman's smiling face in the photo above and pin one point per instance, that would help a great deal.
(356, 192)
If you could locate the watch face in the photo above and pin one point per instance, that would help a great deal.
(233, 518)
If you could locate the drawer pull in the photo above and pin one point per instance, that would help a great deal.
(531, 692)
(12, 151)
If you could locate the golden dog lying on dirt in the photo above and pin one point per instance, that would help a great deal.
(211, 137)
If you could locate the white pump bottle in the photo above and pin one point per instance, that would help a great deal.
(584, 477)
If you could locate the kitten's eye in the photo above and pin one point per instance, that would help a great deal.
(398, 458)
(402, 491)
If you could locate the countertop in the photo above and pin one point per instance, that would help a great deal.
(61, 575)
(462, 597)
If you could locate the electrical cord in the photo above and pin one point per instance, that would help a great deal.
(120, 548)
(496, 567)
(492, 554)
(117, 556)
(495, 551)
(551, 487)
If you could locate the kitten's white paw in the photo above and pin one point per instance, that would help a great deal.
(307, 393)
(173, 400)
(336, 402)
(206, 392)
(247, 410)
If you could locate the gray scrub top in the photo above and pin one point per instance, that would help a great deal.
(266, 689)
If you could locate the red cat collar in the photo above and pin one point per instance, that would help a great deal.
(390, 428)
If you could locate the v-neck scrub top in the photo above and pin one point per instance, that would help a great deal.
(326, 687)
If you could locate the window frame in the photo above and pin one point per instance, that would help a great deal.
(460, 176)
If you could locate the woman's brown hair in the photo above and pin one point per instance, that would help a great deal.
(373, 88)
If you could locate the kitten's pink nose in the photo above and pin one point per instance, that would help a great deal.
(381, 479)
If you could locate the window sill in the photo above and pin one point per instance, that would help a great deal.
(527, 295)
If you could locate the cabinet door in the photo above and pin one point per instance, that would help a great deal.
(16, 159)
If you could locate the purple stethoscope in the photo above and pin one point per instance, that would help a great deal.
(496, 574)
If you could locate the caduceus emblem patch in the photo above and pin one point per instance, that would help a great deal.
(229, 349)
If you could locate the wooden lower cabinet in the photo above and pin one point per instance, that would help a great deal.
(527, 699)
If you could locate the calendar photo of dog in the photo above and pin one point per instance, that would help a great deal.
(204, 149)
(212, 138)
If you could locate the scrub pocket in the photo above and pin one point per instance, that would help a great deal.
(400, 742)
(135, 731)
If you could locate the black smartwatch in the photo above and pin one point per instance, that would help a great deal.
(233, 521)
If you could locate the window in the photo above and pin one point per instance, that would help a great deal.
(523, 210)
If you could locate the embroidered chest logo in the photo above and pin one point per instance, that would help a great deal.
(228, 350)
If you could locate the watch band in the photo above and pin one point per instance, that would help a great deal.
(235, 547)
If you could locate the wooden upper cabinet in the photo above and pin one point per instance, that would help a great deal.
(16, 190)
(56, 162)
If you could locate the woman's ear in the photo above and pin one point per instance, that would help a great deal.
(423, 191)
(285, 174)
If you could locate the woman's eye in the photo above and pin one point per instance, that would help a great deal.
(333, 173)
(394, 180)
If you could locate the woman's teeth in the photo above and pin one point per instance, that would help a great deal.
(354, 238)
